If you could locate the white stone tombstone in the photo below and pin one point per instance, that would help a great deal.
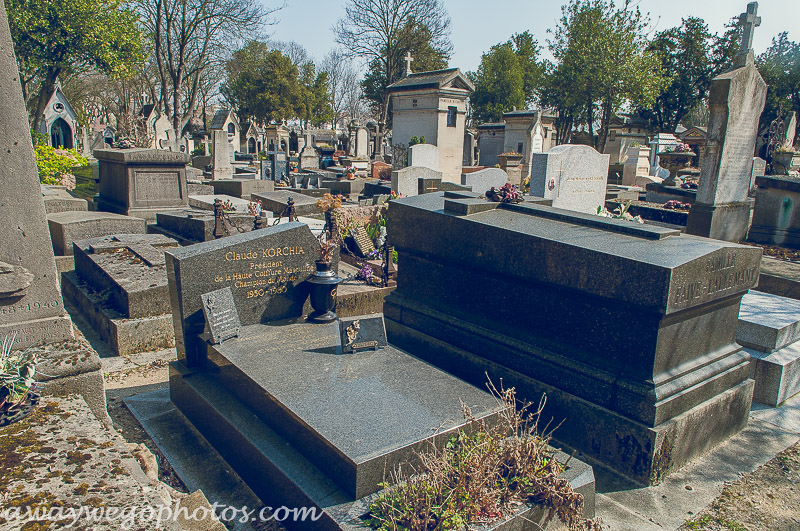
(637, 164)
(468, 158)
(406, 181)
(481, 181)
(573, 176)
(362, 142)
(791, 130)
(424, 156)
(759, 169)
(222, 155)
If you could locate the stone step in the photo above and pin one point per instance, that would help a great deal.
(777, 374)
(768, 322)
(281, 476)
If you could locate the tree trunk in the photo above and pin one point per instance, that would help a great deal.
(45, 93)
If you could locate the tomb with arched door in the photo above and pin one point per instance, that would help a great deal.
(60, 122)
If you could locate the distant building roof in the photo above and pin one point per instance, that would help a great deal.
(449, 78)
(492, 125)
(529, 112)
(147, 110)
(220, 117)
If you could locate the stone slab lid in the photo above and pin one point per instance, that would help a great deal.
(768, 322)
(141, 156)
(780, 182)
(364, 411)
(653, 267)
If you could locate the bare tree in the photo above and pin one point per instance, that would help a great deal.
(294, 51)
(373, 30)
(189, 37)
(344, 86)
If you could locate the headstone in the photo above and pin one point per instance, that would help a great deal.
(206, 202)
(364, 244)
(460, 304)
(424, 156)
(482, 180)
(759, 169)
(362, 143)
(221, 316)
(399, 156)
(222, 168)
(736, 99)
(404, 181)
(469, 149)
(363, 332)
(636, 165)
(791, 130)
(141, 182)
(265, 269)
(193, 226)
(573, 176)
(30, 298)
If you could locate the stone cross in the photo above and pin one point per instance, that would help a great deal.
(749, 22)
(409, 60)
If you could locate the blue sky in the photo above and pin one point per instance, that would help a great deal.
(479, 24)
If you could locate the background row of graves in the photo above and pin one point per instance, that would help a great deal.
(154, 243)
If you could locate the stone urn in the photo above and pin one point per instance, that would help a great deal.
(323, 293)
(674, 161)
(786, 163)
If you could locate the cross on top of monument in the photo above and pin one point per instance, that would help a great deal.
(749, 22)
(409, 59)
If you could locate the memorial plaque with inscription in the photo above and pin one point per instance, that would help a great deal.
(363, 332)
(266, 271)
(573, 176)
(221, 315)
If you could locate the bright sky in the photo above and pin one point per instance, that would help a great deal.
(479, 24)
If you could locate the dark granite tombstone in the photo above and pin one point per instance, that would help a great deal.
(776, 215)
(302, 424)
(628, 328)
(266, 270)
(141, 182)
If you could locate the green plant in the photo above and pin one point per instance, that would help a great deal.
(785, 149)
(414, 141)
(55, 165)
(16, 371)
(482, 473)
(621, 212)
(199, 151)
(38, 138)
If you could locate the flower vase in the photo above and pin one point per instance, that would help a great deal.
(323, 293)
(674, 161)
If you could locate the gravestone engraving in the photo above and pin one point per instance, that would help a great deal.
(222, 318)
(573, 176)
(30, 299)
(363, 332)
(265, 269)
(736, 99)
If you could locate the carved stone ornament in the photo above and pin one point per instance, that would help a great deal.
(14, 280)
